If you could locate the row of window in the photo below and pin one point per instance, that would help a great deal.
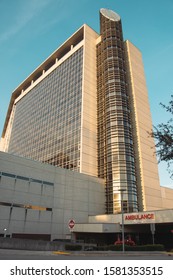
(115, 153)
(32, 207)
(18, 177)
(47, 119)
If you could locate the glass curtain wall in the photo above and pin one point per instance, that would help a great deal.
(115, 145)
(47, 122)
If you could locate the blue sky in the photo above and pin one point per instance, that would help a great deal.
(30, 30)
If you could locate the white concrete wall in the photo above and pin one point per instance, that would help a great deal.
(159, 216)
(146, 163)
(167, 197)
(88, 158)
(73, 196)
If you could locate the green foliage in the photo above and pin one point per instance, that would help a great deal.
(156, 247)
(150, 247)
(163, 134)
(73, 247)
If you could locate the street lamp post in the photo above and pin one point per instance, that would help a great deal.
(122, 212)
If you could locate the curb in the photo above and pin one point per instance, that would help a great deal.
(61, 253)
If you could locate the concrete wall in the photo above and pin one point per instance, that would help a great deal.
(151, 195)
(159, 216)
(45, 198)
(88, 147)
(34, 245)
(167, 197)
(149, 192)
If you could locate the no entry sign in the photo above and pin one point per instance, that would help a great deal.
(71, 224)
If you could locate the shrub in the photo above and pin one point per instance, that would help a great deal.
(115, 247)
(102, 248)
(155, 247)
(73, 247)
(150, 247)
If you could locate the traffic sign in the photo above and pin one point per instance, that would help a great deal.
(71, 224)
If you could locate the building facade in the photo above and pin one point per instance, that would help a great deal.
(86, 108)
(51, 114)
(38, 200)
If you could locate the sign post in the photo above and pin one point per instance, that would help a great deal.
(152, 228)
(122, 214)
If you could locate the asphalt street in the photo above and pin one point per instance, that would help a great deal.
(6, 254)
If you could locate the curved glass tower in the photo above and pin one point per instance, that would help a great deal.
(115, 144)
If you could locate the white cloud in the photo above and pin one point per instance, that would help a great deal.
(26, 12)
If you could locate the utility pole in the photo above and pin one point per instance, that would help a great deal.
(122, 212)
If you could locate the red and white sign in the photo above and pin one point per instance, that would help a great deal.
(71, 224)
(139, 218)
(147, 216)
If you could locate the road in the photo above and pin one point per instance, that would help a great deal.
(6, 254)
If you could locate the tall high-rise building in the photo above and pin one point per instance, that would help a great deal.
(86, 108)
(116, 161)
